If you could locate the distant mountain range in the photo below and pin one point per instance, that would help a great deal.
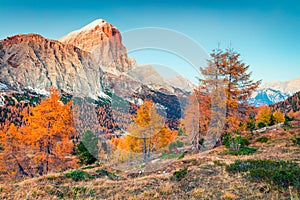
(292, 103)
(275, 91)
(85, 63)
(90, 60)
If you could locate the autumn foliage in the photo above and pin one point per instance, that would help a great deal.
(147, 133)
(265, 115)
(226, 69)
(197, 116)
(43, 140)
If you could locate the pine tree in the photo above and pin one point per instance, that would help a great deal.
(88, 148)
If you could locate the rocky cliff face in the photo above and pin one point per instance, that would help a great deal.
(33, 62)
(104, 42)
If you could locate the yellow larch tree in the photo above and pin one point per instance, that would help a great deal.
(13, 157)
(48, 129)
(278, 117)
(264, 114)
(147, 132)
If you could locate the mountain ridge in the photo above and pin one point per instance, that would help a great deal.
(275, 91)
(32, 61)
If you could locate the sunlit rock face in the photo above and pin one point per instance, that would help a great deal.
(104, 42)
(34, 62)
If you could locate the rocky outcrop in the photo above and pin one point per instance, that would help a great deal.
(149, 76)
(31, 61)
(104, 41)
(179, 81)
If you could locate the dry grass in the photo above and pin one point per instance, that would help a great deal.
(206, 178)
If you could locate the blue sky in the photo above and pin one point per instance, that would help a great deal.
(266, 33)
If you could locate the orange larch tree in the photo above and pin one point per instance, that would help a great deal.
(225, 69)
(197, 116)
(264, 114)
(48, 130)
(278, 116)
(13, 157)
(147, 133)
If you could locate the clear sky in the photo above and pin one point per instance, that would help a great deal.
(266, 33)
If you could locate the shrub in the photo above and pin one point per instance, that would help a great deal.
(218, 163)
(226, 139)
(262, 139)
(176, 144)
(242, 151)
(50, 177)
(78, 175)
(236, 142)
(296, 141)
(110, 175)
(251, 125)
(239, 142)
(88, 148)
(201, 141)
(180, 131)
(261, 124)
(178, 175)
(77, 190)
(279, 173)
(169, 156)
(181, 155)
(88, 167)
(288, 119)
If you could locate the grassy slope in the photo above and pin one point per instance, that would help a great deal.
(206, 178)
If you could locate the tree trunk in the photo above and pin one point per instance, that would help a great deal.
(21, 169)
(145, 149)
(41, 168)
(149, 150)
(130, 155)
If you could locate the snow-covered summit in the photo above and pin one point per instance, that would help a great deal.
(290, 87)
(275, 91)
(104, 42)
(90, 26)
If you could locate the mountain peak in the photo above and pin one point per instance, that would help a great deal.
(290, 87)
(104, 42)
(93, 24)
(98, 23)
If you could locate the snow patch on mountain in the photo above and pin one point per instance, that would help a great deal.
(2, 100)
(267, 96)
(90, 26)
(43, 91)
(275, 91)
(181, 82)
(290, 87)
(2, 86)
